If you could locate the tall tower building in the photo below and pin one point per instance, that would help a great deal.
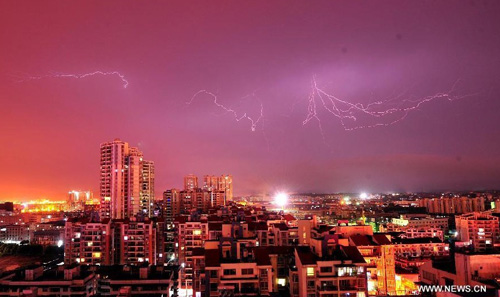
(226, 185)
(210, 182)
(147, 187)
(78, 199)
(127, 180)
(190, 182)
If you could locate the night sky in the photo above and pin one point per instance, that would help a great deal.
(252, 55)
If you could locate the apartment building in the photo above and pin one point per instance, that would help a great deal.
(69, 280)
(88, 242)
(411, 253)
(190, 234)
(143, 280)
(14, 233)
(464, 268)
(227, 274)
(379, 254)
(479, 230)
(453, 205)
(110, 242)
(127, 181)
(339, 271)
(421, 221)
(135, 242)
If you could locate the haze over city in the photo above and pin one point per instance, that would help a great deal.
(319, 96)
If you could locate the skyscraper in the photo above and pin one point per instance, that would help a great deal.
(219, 183)
(190, 182)
(78, 199)
(147, 187)
(210, 182)
(226, 185)
(127, 181)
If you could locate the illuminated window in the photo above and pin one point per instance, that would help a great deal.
(196, 232)
(281, 282)
(96, 255)
(310, 271)
(341, 271)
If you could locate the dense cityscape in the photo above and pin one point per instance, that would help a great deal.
(203, 241)
(229, 148)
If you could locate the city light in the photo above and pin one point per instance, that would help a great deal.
(281, 199)
(363, 196)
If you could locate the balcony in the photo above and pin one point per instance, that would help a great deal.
(328, 288)
(247, 291)
(349, 288)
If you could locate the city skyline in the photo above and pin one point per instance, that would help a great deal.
(295, 96)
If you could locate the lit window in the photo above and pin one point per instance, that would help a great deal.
(341, 271)
(96, 255)
(310, 271)
(196, 232)
(281, 282)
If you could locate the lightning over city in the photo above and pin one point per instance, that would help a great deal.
(75, 76)
(254, 120)
(349, 112)
(236, 149)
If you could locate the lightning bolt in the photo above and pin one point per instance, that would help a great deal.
(348, 113)
(80, 76)
(238, 117)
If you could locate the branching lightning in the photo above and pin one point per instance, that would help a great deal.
(238, 117)
(386, 112)
(81, 76)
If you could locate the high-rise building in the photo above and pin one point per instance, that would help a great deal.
(147, 187)
(226, 185)
(127, 181)
(210, 182)
(458, 205)
(78, 199)
(190, 182)
(172, 203)
(219, 183)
